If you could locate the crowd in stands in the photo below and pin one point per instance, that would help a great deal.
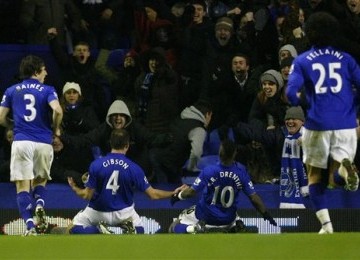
(191, 69)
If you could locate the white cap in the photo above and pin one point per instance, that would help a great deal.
(72, 85)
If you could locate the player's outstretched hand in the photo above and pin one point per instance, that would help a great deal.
(174, 198)
(267, 216)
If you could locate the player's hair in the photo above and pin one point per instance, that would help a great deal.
(227, 151)
(30, 65)
(119, 139)
(321, 29)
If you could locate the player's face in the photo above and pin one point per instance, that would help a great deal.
(118, 121)
(269, 88)
(41, 75)
(293, 125)
(71, 96)
(81, 53)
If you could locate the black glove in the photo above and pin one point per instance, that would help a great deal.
(267, 216)
(175, 198)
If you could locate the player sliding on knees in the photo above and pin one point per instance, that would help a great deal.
(220, 186)
(109, 189)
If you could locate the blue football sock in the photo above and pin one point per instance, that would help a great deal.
(317, 196)
(180, 228)
(25, 206)
(39, 194)
(84, 230)
(139, 230)
(338, 179)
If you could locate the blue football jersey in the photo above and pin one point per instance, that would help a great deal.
(29, 102)
(113, 177)
(329, 77)
(220, 186)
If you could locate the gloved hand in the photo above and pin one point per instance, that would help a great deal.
(267, 216)
(175, 198)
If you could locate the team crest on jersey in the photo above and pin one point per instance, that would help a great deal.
(197, 181)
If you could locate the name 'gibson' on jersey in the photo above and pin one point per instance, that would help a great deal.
(115, 162)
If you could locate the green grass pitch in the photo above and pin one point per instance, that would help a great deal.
(170, 246)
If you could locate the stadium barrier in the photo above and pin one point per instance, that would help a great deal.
(62, 205)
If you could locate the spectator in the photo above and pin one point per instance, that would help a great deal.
(30, 102)
(285, 66)
(193, 39)
(286, 51)
(285, 143)
(328, 79)
(215, 210)
(108, 23)
(121, 80)
(69, 162)
(188, 133)
(157, 93)
(79, 67)
(109, 189)
(233, 92)
(37, 16)
(119, 117)
(78, 117)
(269, 106)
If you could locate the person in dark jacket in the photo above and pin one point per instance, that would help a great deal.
(188, 133)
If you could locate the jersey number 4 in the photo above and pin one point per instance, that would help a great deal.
(327, 73)
(112, 183)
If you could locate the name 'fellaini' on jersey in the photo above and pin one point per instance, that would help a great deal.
(220, 186)
(330, 77)
(32, 115)
(113, 178)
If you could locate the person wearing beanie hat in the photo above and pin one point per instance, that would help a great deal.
(295, 113)
(270, 105)
(330, 78)
(225, 23)
(79, 116)
(71, 85)
(284, 144)
(224, 30)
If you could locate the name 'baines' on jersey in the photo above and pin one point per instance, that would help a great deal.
(29, 101)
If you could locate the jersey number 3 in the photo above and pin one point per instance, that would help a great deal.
(30, 106)
(327, 73)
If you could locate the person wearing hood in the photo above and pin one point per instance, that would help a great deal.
(188, 132)
(118, 117)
